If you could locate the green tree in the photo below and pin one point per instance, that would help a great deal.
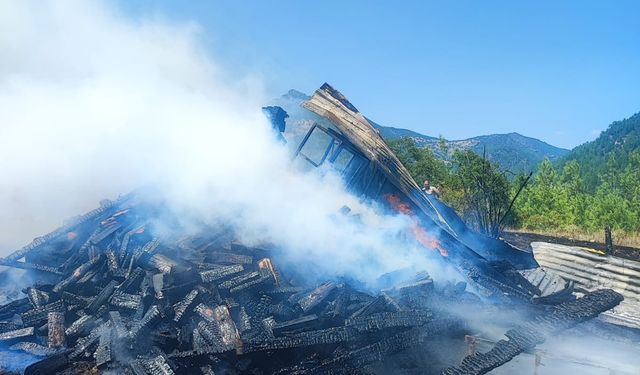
(558, 198)
(617, 198)
(485, 197)
(547, 202)
(406, 150)
(421, 162)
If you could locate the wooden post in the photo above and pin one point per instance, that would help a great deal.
(607, 239)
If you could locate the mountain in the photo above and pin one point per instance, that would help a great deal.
(514, 152)
(613, 146)
(388, 132)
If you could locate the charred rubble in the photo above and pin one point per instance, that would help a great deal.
(125, 300)
(120, 297)
(111, 291)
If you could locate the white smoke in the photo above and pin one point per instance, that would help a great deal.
(94, 104)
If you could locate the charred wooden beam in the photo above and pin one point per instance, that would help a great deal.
(303, 322)
(156, 366)
(76, 275)
(9, 326)
(282, 290)
(239, 280)
(119, 329)
(40, 314)
(16, 334)
(229, 258)
(159, 262)
(15, 307)
(102, 297)
(251, 284)
(102, 354)
(332, 335)
(30, 266)
(282, 311)
(132, 283)
(382, 303)
(78, 325)
(244, 321)
(37, 297)
(384, 320)
(208, 338)
(180, 307)
(84, 343)
(147, 319)
(112, 261)
(55, 324)
(316, 296)
(220, 273)
(105, 232)
(74, 299)
(126, 300)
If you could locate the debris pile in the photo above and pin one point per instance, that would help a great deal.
(125, 298)
(124, 289)
(128, 301)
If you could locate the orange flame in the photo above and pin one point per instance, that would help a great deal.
(425, 239)
(71, 236)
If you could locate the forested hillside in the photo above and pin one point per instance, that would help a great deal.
(556, 199)
(612, 150)
(513, 152)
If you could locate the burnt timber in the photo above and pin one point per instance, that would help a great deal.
(122, 298)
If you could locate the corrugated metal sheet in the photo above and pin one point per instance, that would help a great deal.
(591, 269)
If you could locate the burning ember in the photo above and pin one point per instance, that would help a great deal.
(420, 234)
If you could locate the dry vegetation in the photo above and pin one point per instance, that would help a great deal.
(620, 238)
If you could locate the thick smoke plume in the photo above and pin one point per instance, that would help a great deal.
(94, 104)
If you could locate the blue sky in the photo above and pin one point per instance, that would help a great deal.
(560, 71)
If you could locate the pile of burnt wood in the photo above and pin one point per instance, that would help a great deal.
(118, 296)
(125, 299)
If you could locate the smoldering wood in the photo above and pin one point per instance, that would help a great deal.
(16, 334)
(37, 297)
(40, 314)
(56, 330)
(220, 305)
(126, 300)
(220, 272)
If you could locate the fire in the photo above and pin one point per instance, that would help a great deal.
(267, 264)
(425, 239)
